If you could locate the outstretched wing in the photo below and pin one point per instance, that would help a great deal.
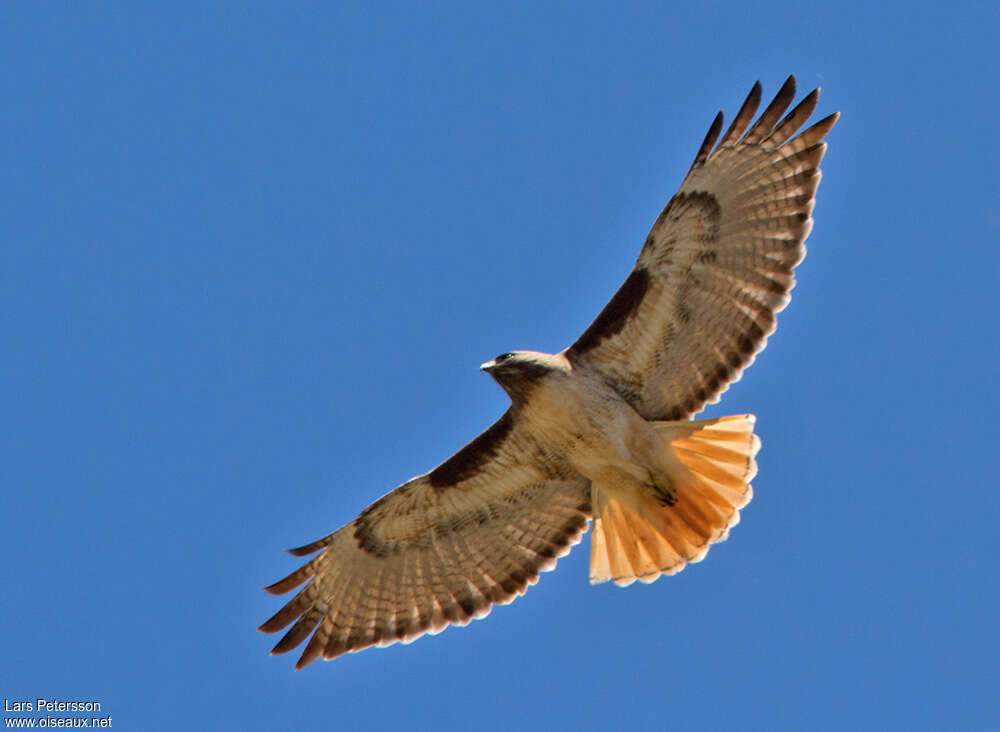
(440, 550)
(716, 267)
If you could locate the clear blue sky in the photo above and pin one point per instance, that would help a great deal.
(253, 256)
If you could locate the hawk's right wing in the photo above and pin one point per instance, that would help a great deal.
(440, 550)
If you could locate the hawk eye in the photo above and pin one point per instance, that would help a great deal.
(504, 357)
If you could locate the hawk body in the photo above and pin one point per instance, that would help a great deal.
(601, 431)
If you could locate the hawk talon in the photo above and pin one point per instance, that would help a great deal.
(663, 490)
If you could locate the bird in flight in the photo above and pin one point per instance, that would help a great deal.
(600, 431)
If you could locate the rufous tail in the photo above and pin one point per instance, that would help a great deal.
(641, 534)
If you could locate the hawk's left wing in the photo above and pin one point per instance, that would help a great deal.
(717, 265)
(440, 550)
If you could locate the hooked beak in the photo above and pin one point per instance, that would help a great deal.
(488, 365)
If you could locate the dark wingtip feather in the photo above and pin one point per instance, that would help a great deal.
(808, 103)
(743, 117)
(335, 647)
(292, 609)
(819, 130)
(304, 551)
(267, 626)
(292, 581)
(787, 90)
(709, 141)
(298, 632)
(765, 123)
(794, 119)
(311, 652)
(273, 624)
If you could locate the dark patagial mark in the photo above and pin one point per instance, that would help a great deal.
(615, 314)
(466, 462)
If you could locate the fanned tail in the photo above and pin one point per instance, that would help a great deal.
(639, 535)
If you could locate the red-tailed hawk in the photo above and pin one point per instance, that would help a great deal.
(601, 431)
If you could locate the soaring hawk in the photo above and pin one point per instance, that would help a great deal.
(601, 431)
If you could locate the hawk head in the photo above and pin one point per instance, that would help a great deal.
(518, 372)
